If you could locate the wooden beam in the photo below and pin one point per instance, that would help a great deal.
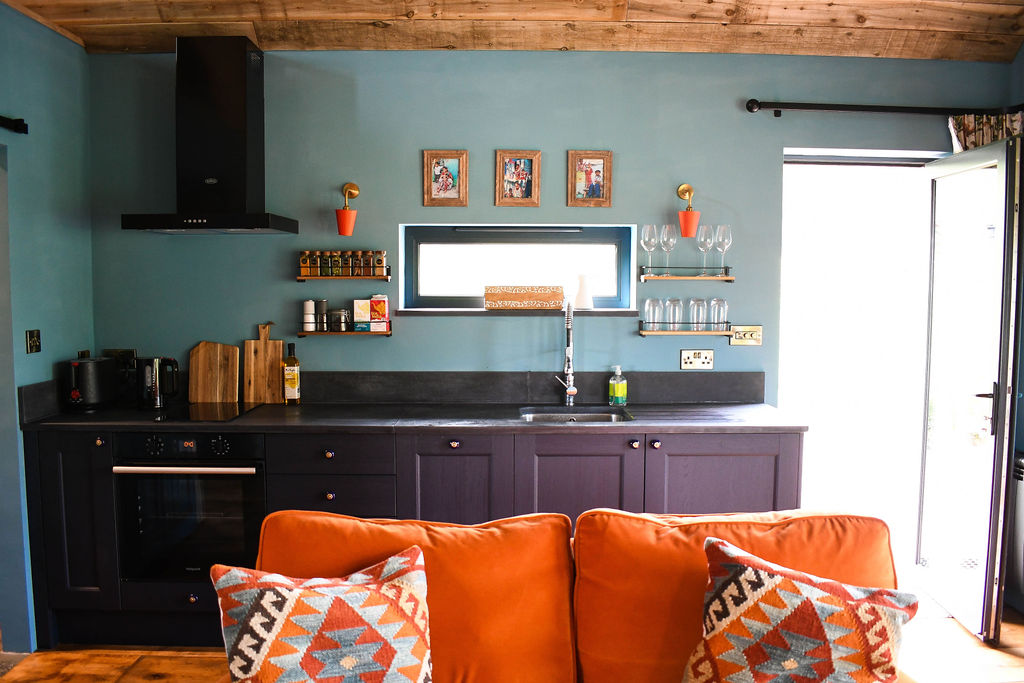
(44, 21)
(74, 12)
(633, 36)
(908, 15)
(141, 38)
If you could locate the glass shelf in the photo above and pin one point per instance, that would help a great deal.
(696, 333)
(685, 273)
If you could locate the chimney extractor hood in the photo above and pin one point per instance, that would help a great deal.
(219, 143)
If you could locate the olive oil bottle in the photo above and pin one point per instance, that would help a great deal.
(291, 378)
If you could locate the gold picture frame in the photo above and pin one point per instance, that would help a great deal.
(445, 177)
(589, 178)
(517, 177)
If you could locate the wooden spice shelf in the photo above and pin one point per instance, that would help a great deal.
(303, 278)
(339, 334)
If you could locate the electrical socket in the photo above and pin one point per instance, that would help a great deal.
(703, 359)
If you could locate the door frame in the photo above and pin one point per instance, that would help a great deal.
(1003, 409)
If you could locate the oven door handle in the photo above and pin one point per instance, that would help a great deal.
(159, 469)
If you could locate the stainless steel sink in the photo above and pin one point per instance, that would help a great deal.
(563, 414)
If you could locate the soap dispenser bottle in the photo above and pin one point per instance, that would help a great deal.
(617, 388)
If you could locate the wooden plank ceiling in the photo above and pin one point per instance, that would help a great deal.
(968, 30)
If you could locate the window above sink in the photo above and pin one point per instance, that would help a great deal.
(445, 267)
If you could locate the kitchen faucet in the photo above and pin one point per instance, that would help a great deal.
(568, 382)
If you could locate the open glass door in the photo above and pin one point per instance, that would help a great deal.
(971, 359)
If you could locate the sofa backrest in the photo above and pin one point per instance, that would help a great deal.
(641, 578)
(499, 593)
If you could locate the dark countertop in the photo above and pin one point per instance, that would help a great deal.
(393, 418)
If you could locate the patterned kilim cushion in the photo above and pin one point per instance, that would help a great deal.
(370, 626)
(763, 622)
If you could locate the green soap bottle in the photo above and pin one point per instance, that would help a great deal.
(617, 388)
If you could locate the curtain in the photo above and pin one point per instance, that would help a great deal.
(974, 130)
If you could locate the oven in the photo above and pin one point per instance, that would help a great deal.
(185, 501)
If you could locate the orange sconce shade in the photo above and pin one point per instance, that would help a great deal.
(347, 221)
(688, 218)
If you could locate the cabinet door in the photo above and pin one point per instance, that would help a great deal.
(572, 473)
(712, 473)
(459, 478)
(77, 502)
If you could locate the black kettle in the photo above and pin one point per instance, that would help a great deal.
(156, 378)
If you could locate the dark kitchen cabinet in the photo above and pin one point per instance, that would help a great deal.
(572, 473)
(346, 473)
(76, 514)
(711, 473)
(452, 477)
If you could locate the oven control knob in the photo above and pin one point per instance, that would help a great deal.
(154, 446)
(220, 445)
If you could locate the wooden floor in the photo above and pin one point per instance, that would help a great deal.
(936, 649)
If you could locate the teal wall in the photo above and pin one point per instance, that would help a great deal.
(46, 268)
(101, 144)
(334, 117)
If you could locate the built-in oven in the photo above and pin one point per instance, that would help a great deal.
(185, 501)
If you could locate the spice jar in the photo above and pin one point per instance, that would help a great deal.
(367, 264)
(335, 263)
(325, 263)
(346, 263)
(380, 268)
(357, 263)
(304, 263)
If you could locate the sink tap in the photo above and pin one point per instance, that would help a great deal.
(569, 381)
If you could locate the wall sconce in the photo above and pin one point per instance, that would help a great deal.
(346, 216)
(688, 218)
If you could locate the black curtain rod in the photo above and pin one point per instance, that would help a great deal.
(17, 125)
(777, 108)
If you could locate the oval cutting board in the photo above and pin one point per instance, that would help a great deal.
(213, 373)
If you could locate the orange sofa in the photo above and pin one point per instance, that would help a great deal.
(521, 600)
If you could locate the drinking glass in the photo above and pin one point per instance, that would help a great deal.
(669, 236)
(718, 314)
(705, 240)
(698, 313)
(674, 314)
(654, 314)
(649, 240)
(723, 240)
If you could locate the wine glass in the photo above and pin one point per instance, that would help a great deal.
(649, 240)
(705, 240)
(723, 240)
(669, 236)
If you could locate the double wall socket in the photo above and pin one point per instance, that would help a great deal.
(696, 360)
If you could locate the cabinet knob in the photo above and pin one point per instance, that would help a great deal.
(330, 495)
(100, 441)
(635, 443)
(454, 443)
(193, 599)
(655, 443)
(329, 455)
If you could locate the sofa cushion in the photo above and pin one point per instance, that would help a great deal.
(372, 625)
(763, 620)
(640, 578)
(500, 606)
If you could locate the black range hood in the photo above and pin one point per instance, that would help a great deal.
(219, 143)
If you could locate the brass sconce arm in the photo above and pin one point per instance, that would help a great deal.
(685, 192)
(351, 191)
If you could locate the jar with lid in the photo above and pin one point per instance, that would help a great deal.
(346, 263)
(304, 263)
(357, 263)
(380, 268)
(367, 264)
(338, 319)
(335, 263)
(314, 263)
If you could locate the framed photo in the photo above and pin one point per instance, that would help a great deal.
(445, 177)
(517, 177)
(589, 178)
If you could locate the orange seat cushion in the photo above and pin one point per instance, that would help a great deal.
(499, 593)
(640, 579)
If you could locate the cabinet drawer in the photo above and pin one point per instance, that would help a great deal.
(356, 495)
(336, 453)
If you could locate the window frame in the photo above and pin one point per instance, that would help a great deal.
(411, 235)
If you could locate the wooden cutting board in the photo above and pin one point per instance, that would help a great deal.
(213, 373)
(262, 379)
